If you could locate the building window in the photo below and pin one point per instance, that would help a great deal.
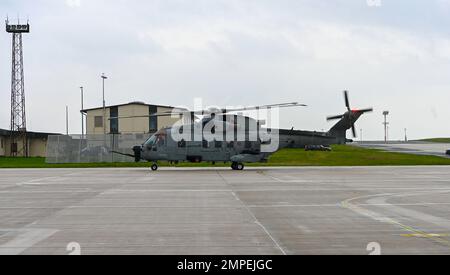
(1, 141)
(114, 122)
(98, 121)
(13, 148)
(153, 120)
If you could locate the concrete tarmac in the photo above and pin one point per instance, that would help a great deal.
(399, 210)
(417, 148)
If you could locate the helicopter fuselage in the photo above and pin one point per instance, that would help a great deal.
(210, 140)
(162, 147)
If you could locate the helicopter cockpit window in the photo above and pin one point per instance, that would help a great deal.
(150, 142)
(158, 139)
(161, 138)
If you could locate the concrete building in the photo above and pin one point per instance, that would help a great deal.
(37, 143)
(141, 123)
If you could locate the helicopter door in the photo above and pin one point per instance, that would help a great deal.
(160, 146)
(212, 151)
(177, 150)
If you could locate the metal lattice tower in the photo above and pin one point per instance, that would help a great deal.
(19, 141)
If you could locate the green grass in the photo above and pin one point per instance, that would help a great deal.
(353, 156)
(340, 156)
(437, 140)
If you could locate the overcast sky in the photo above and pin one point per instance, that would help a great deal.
(393, 56)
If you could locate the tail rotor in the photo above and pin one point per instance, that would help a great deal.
(351, 116)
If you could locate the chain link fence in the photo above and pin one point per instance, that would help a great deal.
(93, 148)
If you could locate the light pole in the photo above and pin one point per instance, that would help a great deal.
(361, 135)
(67, 120)
(406, 135)
(385, 123)
(82, 114)
(104, 107)
(387, 133)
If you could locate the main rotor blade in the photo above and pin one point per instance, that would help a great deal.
(251, 108)
(365, 110)
(225, 111)
(347, 101)
(185, 112)
(335, 117)
(354, 130)
(188, 114)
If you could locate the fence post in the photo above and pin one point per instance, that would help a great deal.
(57, 151)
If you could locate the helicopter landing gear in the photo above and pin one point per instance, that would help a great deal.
(237, 166)
(154, 167)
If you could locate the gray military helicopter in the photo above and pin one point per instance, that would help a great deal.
(223, 137)
(217, 137)
(336, 135)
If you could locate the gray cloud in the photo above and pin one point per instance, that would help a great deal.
(238, 53)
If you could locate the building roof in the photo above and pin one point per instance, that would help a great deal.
(7, 133)
(125, 104)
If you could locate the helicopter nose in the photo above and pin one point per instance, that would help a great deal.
(137, 153)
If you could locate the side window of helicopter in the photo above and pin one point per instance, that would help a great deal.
(182, 144)
(205, 144)
(161, 140)
(267, 142)
(217, 144)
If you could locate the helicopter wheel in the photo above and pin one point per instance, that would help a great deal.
(237, 166)
(154, 167)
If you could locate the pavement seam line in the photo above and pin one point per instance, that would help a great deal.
(253, 216)
(376, 216)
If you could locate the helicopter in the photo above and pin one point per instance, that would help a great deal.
(336, 135)
(217, 137)
(224, 137)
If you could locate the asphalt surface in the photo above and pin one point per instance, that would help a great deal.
(403, 210)
(418, 148)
